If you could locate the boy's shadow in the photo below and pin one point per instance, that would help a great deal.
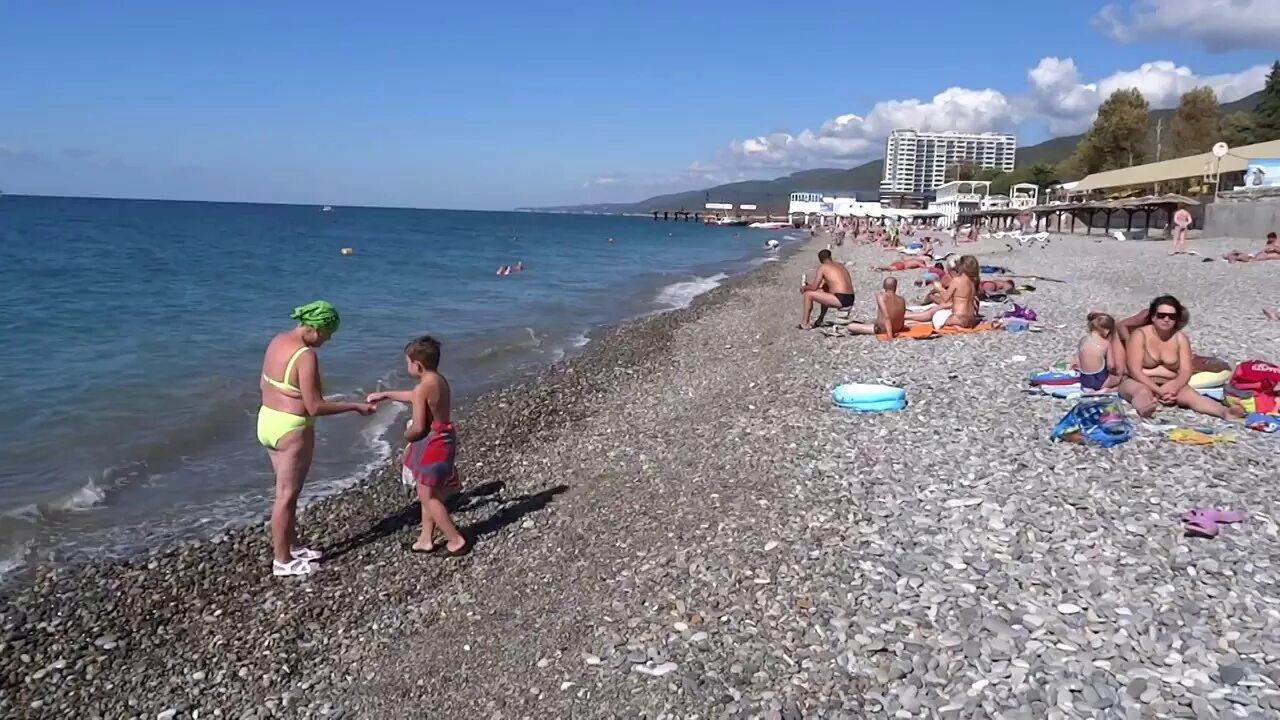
(489, 493)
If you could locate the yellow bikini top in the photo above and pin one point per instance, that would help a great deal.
(285, 386)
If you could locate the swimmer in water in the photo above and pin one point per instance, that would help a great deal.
(504, 269)
(610, 241)
(519, 266)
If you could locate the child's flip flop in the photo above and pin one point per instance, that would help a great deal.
(1203, 522)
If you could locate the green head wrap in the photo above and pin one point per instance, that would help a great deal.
(319, 314)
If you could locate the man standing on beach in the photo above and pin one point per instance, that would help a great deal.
(832, 287)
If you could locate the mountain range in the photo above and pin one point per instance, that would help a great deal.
(863, 180)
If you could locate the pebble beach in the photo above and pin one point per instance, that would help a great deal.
(678, 523)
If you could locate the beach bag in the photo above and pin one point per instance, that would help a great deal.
(1256, 375)
(1021, 312)
(1096, 421)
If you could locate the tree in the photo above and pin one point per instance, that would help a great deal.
(1237, 129)
(1042, 174)
(1195, 123)
(1001, 184)
(1119, 134)
(988, 174)
(962, 170)
(1266, 116)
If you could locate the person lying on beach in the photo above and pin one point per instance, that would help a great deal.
(286, 424)
(1097, 351)
(1271, 313)
(891, 312)
(959, 301)
(910, 263)
(1000, 287)
(429, 459)
(832, 287)
(1159, 365)
(1269, 251)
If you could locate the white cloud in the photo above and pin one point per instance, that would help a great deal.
(1069, 105)
(853, 137)
(1056, 94)
(1218, 25)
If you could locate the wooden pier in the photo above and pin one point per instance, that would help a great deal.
(677, 215)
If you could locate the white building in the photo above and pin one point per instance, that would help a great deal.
(960, 197)
(1024, 195)
(805, 204)
(916, 163)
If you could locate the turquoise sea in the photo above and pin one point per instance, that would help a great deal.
(131, 335)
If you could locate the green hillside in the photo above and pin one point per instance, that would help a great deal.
(773, 195)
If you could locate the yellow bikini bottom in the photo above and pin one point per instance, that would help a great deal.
(275, 424)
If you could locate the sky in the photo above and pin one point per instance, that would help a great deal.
(513, 104)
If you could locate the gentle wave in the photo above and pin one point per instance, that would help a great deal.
(680, 294)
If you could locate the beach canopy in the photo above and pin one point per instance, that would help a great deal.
(1192, 166)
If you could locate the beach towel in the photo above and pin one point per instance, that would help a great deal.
(1194, 436)
(957, 330)
(915, 332)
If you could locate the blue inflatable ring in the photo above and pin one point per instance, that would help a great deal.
(1055, 377)
(869, 398)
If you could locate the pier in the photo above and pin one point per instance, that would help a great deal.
(676, 215)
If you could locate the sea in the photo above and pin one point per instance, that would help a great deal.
(132, 332)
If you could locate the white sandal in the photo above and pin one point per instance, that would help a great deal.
(301, 553)
(293, 567)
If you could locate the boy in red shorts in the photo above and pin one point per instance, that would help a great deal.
(428, 461)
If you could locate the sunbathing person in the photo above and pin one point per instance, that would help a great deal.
(959, 302)
(832, 287)
(1271, 313)
(1159, 365)
(909, 263)
(997, 286)
(891, 312)
(1269, 251)
(1097, 351)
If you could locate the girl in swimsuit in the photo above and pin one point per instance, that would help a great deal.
(286, 421)
(1097, 351)
(1159, 364)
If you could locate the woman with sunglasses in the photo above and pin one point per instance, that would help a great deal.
(1159, 361)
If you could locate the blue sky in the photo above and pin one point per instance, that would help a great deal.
(506, 104)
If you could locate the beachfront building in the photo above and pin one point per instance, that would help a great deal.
(1024, 195)
(960, 197)
(804, 205)
(916, 163)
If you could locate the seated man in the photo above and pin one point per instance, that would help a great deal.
(1270, 251)
(832, 287)
(891, 312)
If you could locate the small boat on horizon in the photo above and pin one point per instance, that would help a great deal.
(326, 208)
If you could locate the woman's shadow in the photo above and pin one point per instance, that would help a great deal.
(512, 510)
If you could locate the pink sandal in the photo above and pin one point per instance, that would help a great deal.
(1204, 521)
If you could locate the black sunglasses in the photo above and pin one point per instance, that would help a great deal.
(1166, 316)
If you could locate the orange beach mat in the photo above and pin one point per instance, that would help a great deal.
(925, 330)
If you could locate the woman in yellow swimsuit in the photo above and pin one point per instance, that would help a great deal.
(291, 401)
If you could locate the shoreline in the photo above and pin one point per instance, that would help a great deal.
(680, 523)
(108, 599)
(109, 513)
